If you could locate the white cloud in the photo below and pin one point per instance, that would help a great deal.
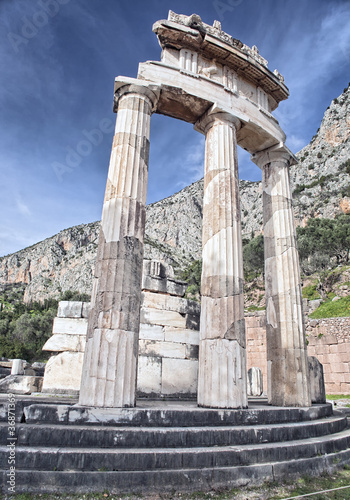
(296, 143)
(310, 60)
(195, 160)
(22, 207)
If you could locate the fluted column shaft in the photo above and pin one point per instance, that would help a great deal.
(222, 381)
(288, 381)
(110, 361)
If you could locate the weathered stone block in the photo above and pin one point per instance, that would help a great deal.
(21, 384)
(159, 317)
(169, 303)
(179, 376)
(183, 336)
(149, 375)
(223, 318)
(192, 351)
(222, 374)
(164, 285)
(162, 349)
(63, 373)
(344, 348)
(344, 388)
(63, 342)
(70, 309)
(313, 305)
(70, 326)
(86, 309)
(151, 332)
(192, 321)
(329, 339)
(39, 368)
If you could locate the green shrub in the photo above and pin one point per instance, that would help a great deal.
(330, 309)
(346, 192)
(253, 257)
(310, 292)
(192, 275)
(322, 180)
(299, 188)
(345, 166)
(255, 308)
(25, 327)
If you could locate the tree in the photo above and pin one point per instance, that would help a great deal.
(192, 275)
(329, 237)
(253, 257)
(320, 242)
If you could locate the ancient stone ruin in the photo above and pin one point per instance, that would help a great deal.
(226, 90)
(168, 340)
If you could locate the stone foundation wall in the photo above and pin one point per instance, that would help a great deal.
(329, 341)
(168, 347)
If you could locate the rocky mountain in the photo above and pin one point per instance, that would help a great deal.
(321, 180)
(321, 188)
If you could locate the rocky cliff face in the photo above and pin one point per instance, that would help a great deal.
(64, 262)
(321, 188)
(321, 180)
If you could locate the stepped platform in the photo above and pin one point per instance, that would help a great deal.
(164, 446)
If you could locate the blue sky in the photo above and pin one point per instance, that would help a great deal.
(57, 76)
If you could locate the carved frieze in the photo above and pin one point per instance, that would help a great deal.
(195, 22)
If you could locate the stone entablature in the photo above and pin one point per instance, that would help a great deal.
(212, 44)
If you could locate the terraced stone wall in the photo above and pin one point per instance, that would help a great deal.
(329, 341)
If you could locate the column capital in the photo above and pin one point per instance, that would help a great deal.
(124, 86)
(279, 153)
(215, 114)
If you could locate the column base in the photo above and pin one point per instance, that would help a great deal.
(222, 378)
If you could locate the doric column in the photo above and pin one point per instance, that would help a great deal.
(110, 361)
(288, 383)
(222, 378)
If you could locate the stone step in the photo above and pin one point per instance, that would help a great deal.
(86, 459)
(169, 437)
(22, 401)
(165, 480)
(186, 414)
